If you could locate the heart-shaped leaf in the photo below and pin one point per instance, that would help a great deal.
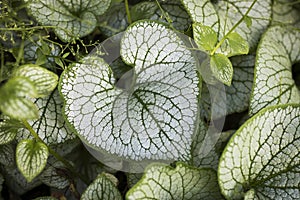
(14, 101)
(71, 18)
(273, 79)
(103, 187)
(183, 182)
(262, 158)
(31, 158)
(156, 116)
(44, 80)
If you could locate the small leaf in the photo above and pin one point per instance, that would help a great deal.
(184, 182)
(262, 158)
(44, 80)
(8, 130)
(13, 98)
(31, 158)
(102, 188)
(204, 36)
(248, 21)
(237, 44)
(221, 68)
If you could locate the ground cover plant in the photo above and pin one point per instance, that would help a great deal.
(161, 99)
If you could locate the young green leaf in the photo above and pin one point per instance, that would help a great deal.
(204, 36)
(152, 119)
(44, 80)
(71, 19)
(238, 94)
(8, 130)
(13, 98)
(248, 21)
(262, 158)
(237, 44)
(221, 68)
(50, 126)
(102, 188)
(31, 158)
(273, 79)
(183, 182)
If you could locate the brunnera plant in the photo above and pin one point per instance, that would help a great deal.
(83, 125)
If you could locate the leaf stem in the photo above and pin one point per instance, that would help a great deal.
(128, 12)
(56, 155)
(232, 29)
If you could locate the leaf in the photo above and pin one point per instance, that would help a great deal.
(7, 155)
(114, 20)
(31, 158)
(273, 79)
(221, 68)
(102, 188)
(262, 158)
(8, 129)
(237, 94)
(238, 45)
(176, 13)
(143, 10)
(154, 118)
(183, 182)
(205, 37)
(285, 12)
(13, 98)
(55, 175)
(50, 125)
(223, 15)
(44, 80)
(248, 21)
(72, 19)
(33, 54)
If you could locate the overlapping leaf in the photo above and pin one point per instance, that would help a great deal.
(262, 161)
(102, 188)
(183, 182)
(50, 126)
(238, 94)
(154, 116)
(71, 19)
(273, 81)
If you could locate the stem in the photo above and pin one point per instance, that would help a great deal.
(232, 29)
(128, 12)
(21, 51)
(167, 17)
(56, 155)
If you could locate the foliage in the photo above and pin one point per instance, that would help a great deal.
(70, 117)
